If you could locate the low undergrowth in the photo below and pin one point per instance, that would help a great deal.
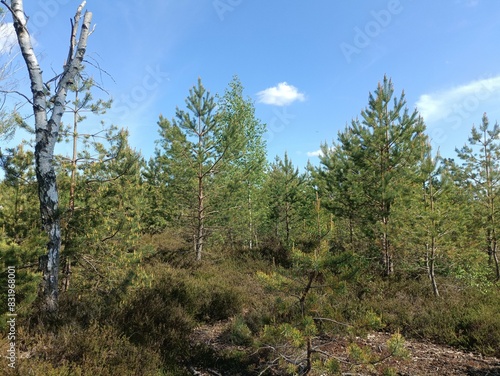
(140, 321)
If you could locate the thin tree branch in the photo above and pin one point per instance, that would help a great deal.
(18, 93)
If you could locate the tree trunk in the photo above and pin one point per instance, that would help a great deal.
(312, 276)
(386, 252)
(250, 219)
(200, 231)
(72, 189)
(351, 232)
(491, 233)
(495, 256)
(287, 223)
(46, 131)
(74, 159)
(49, 203)
(497, 266)
(66, 274)
(430, 262)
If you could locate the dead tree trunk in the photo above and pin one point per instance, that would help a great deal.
(47, 130)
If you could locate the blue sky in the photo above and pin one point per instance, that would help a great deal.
(309, 66)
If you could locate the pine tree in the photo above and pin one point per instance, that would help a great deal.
(106, 219)
(82, 104)
(482, 169)
(18, 215)
(426, 218)
(287, 195)
(337, 181)
(381, 153)
(195, 147)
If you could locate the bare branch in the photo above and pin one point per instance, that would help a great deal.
(18, 93)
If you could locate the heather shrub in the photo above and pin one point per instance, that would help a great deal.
(75, 350)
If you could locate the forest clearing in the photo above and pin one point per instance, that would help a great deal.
(209, 258)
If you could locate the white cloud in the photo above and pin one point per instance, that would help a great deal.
(282, 94)
(316, 153)
(466, 98)
(8, 39)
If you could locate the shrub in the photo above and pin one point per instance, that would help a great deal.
(464, 318)
(162, 316)
(96, 350)
(239, 333)
(159, 318)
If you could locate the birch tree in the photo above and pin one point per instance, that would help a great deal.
(48, 109)
(239, 185)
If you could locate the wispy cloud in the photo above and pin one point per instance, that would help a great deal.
(282, 94)
(8, 39)
(458, 100)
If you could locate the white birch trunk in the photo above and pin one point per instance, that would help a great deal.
(47, 130)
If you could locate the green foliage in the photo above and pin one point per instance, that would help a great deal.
(389, 371)
(305, 291)
(96, 350)
(199, 150)
(21, 239)
(239, 187)
(291, 216)
(461, 317)
(276, 335)
(105, 224)
(293, 258)
(274, 280)
(362, 357)
(239, 333)
(163, 315)
(471, 268)
(366, 322)
(332, 366)
(359, 355)
(18, 195)
(375, 159)
(396, 346)
(480, 168)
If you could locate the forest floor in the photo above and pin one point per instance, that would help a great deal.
(424, 358)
